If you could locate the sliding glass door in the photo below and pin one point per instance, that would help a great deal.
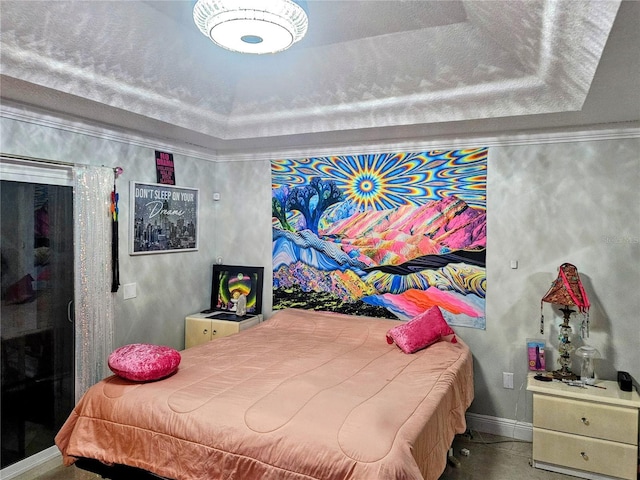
(37, 330)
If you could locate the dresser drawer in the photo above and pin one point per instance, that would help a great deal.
(221, 329)
(589, 454)
(203, 327)
(606, 422)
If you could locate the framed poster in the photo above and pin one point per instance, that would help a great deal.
(165, 170)
(164, 218)
(231, 281)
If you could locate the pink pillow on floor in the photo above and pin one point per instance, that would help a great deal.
(421, 331)
(143, 362)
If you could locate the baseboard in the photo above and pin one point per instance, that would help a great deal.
(33, 467)
(500, 426)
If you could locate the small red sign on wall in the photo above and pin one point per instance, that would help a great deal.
(164, 168)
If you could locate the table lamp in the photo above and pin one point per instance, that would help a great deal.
(567, 291)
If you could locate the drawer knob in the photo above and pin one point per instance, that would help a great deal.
(214, 332)
(584, 420)
(584, 455)
(204, 331)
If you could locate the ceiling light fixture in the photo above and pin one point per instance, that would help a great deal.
(251, 26)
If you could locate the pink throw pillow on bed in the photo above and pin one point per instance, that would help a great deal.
(421, 331)
(144, 362)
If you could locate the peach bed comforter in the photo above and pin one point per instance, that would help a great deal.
(304, 395)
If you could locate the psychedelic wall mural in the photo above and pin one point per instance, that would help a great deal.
(386, 235)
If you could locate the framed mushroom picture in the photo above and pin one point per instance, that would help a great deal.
(229, 282)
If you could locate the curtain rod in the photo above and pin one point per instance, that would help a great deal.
(9, 156)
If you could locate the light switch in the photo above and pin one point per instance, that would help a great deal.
(514, 264)
(130, 291)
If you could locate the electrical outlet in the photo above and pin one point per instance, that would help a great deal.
(507, 380)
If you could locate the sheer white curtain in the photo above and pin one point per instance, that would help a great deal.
(94, 309)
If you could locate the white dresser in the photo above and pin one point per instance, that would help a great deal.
(202, 327)
(586, 432)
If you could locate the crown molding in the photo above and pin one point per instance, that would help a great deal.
(21, 113)
(590, 133)
(616, 131)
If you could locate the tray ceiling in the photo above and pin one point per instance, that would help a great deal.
(366, 68)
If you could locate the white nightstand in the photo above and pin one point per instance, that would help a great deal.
(586, 432)
(202, 327)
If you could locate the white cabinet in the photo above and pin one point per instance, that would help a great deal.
(202, 327)
(589, 432)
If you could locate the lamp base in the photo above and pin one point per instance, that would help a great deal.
(564, 375)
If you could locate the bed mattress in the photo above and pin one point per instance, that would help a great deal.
(304, 395)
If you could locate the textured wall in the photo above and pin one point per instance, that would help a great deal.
(572, 202)
(243, 216)
(550, 204)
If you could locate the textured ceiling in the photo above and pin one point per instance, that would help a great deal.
(370, 69)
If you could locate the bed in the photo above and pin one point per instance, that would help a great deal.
(304, 395)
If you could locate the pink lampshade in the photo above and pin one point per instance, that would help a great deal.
(566, 290)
